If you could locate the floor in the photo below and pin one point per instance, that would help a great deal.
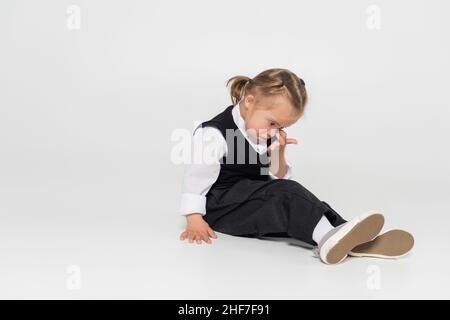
(104, 239)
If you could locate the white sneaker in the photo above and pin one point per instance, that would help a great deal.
(337, 243)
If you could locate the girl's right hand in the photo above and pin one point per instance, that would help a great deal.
(197, 230)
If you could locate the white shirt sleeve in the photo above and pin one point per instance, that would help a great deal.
(207, 148)
(288, 174)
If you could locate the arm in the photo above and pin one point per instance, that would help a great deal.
(279, 167)
(208, 147)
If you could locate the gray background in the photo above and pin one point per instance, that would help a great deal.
(86, 117)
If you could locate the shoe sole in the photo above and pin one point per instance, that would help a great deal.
(389, 245)
(363, 229)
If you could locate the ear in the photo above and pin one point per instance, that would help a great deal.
(249, 102)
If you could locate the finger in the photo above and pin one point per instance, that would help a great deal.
(201, 236)
(291, 141)
(198, 238)
(206, 238)
(191, 237)
(212, 233)
(281, 139)
(183, 235)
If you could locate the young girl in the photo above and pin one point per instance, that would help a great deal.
(246, 189)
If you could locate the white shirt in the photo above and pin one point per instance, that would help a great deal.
(199, 176)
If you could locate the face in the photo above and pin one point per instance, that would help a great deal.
(263, 118)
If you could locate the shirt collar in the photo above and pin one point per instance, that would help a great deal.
(240, 123)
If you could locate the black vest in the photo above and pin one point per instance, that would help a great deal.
(242, 160)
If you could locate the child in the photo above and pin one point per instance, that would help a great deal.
(246, 188)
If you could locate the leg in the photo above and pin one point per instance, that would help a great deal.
(258, 208)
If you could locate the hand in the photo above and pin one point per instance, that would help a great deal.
(197, 230)
(282, 141)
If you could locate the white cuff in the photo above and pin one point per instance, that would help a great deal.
(192, 203)
(288, 174)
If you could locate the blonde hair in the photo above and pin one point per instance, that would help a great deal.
(269, 83)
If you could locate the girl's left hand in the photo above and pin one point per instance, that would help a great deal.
(282, 141)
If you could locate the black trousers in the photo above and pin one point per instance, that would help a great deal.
(277, 207)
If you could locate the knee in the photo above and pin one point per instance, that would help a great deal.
(286, 186)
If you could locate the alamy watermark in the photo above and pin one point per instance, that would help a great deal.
(73, 280)
(373, 20)
(73, 21)
(373, 281)
(207, 148)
